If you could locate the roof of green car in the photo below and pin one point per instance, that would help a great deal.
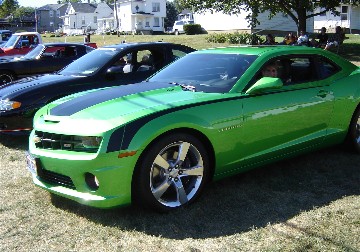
(256, 50)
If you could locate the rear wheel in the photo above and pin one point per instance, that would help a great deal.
(353, 137)
(172, 173)
(6, 77)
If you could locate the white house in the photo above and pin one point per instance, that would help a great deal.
(141, 16)
(218, 21)
(82, 17)
(349, 19)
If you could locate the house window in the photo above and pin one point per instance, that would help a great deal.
(156, 21)
(95, 19)
(58, 13)
(51, 24)
(155, 7)
(344, 12)
(51, 13)
(83, 20)
(147, 22)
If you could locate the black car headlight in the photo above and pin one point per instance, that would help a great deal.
(9, 105)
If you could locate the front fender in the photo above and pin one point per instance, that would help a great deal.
(164, 124)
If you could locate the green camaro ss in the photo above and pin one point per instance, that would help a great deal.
(209, 115)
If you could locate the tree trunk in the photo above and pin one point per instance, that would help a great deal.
(117, 19)
(301, 20)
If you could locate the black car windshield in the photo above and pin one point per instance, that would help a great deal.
(34, 52)
(90, 62)
(211, 73)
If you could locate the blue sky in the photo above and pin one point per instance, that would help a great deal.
(35, 3)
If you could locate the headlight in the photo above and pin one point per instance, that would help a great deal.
(9, 105)
(86, 142)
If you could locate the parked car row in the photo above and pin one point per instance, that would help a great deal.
(44, 58)
(208, 115)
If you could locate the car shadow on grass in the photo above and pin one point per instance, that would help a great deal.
(271, 194)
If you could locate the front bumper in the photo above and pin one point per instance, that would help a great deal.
(15, 122)
(114, 175)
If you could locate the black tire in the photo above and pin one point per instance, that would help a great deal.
(353, 136)
(6, 77)
(171, 173)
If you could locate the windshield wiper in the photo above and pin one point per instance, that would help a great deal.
(184, 86)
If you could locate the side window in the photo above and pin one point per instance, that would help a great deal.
(145, 61)
(53, 51)
(326, 68)
(291, 70)
(301, 70)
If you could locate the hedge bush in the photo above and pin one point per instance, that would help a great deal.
(192, 29)
(235, 38)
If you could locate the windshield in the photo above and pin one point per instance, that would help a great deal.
(34, 52)
(11, 42)
(90, 63)
(206, 72)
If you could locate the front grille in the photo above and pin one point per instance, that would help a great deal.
(52, 141)
(55, 178)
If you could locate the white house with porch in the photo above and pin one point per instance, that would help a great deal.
(141, 16)
(349, 19)
(80, 18)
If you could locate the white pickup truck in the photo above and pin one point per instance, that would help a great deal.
(178, 27)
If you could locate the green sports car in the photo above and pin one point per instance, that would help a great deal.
(209, 115)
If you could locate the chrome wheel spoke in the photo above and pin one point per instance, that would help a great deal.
(161, 162)
(183, 151)
(194, 171)
(181, 194)
(161, 189)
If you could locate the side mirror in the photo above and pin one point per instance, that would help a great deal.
(115, 70)
(265, 84)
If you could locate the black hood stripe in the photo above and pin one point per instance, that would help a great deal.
(80, 103)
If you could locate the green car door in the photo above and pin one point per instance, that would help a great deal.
(290, 118)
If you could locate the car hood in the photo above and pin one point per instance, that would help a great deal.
(23, 85)
(102, 110)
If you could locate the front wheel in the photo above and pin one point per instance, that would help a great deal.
(353, 137)
(172, 173)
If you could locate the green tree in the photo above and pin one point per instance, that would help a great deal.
(178, 6)
(298, 10)
(8, 7)
(24, 11)
(171, 14)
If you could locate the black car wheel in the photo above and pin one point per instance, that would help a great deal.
(353, 137)
(172, 173)
(5, 77)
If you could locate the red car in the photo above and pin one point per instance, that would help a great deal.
(20, 43)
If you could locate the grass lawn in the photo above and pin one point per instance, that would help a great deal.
(307, 203)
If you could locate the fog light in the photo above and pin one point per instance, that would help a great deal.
(92, 181)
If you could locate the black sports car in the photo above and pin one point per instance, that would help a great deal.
(106, 66)
(44, 58)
